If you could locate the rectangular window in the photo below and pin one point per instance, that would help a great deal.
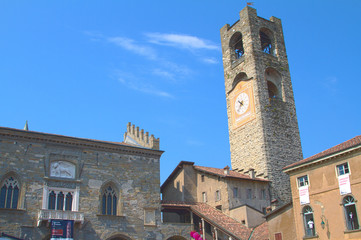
(249, 193)
(235, 192)
(262, 194)
(342, 169)
(278, 236)
(202, 178)
(204, 196)
(302, 181)
(218, 195)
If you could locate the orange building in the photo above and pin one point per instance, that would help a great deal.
(326, 189)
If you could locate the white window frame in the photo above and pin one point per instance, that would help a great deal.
(342, 164)
(74, 192)
(301, 177)
(204, 196)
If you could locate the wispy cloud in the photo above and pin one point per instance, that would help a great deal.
(330, 84)
(137, 84)
(210, 60)
(180, 40)
(130, 45)
(163, 73)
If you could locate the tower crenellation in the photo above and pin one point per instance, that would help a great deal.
(135, 135)
(262, 122)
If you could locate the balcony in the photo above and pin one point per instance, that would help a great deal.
(47, 215)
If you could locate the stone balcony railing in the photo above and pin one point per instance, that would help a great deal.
(47, 215)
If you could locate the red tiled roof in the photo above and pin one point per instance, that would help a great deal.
(260, 232)
(221, 220)
(338, 148)
(232, 174)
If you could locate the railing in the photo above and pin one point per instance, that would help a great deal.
(47, 215)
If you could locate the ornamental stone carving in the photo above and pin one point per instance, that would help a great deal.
(62, 169)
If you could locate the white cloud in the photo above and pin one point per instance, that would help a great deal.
(210, 60)
(163, 73)
(130, 45)
(181, 40)
(134, 83)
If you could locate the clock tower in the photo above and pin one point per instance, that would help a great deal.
(262, 122)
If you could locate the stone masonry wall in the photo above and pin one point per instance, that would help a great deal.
(134, 171)
(270, 141)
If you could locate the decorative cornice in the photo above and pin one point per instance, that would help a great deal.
(21, 135)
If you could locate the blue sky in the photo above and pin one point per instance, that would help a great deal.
(87, 68)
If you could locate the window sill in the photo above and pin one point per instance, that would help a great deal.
(150, 225)
(110, 216)
(352, 231)
(17, 210)
(310, 237)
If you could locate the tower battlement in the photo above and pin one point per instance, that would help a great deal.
(138, 137)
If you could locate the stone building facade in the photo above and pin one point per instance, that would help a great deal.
(239, 196)
(263, 128)
(110, 190)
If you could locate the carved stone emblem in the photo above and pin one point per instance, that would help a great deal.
(62, 169)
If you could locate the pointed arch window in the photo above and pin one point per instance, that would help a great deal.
(349, 206)
(308, 221)
(9, 193)
(109, 201)
(60, 200)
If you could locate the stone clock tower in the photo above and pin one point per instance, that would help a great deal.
(262, 122)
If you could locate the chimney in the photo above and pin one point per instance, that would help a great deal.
(252, 173)
(226, 170)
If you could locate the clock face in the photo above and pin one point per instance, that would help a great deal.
(242, 103)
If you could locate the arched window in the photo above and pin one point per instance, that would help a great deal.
(349, 206)
(266, 41)
(60, 200)
(236, 46)
(240, 77)
(274, 86)
(109, 201)
(308, 221)
(9, 193)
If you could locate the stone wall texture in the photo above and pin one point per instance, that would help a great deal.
(133, 171)
(271, 141)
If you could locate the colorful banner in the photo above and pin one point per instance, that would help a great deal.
(62, 229)
(344, 184)
(304, 195)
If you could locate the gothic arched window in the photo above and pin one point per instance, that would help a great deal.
(236, 45)
(349, 206)
(9, 193)
(308, 221)
(266, 41)
(109, 201)
(60, 200)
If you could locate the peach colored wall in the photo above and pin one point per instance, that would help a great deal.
(325, 198)
(282, 222)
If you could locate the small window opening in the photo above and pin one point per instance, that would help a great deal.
(343, 169)
(266, 43)
(308, 221)
(204, 196)
(350, 213)
(219, 207)
(302, 181)
(202, 178)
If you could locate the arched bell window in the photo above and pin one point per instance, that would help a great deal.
(9, 193)
(236, 46)
(267, 45)
(308, 221)
(349, 206)
(274, 83)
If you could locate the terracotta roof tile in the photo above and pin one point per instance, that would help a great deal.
(232, 174)
(216, 217)
(338, 148)
(260, 232)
